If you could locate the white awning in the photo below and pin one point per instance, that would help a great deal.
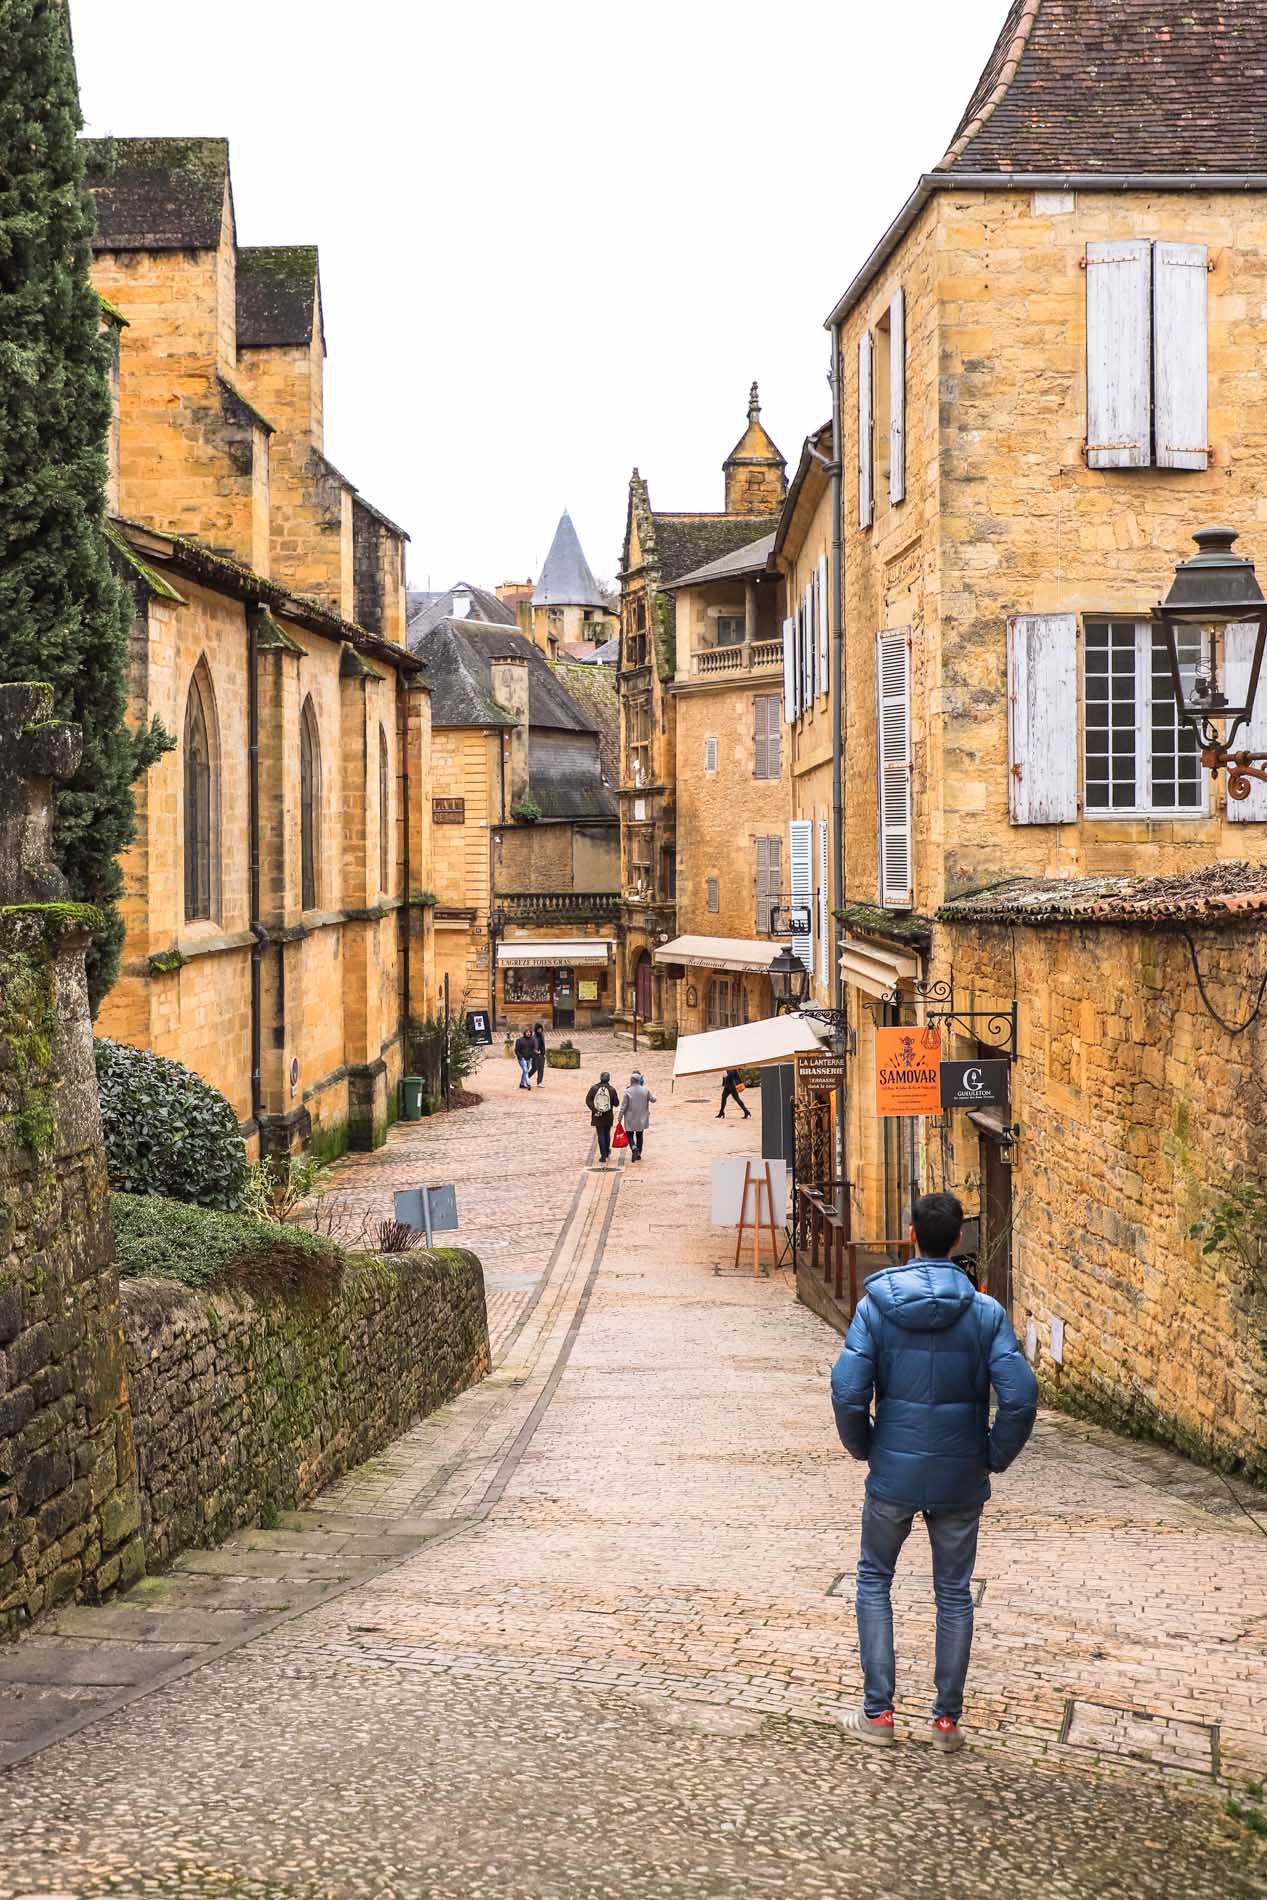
(747, 1046)
(718, 953)
(874, 968)
(537, 951)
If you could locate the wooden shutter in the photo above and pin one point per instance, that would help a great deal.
(824, 629)
(866, 463)
(893, 724)
(808, 647)
(1238, 657)
(897, 397)
(824, 899)
(710, 756)
(1042, 724)
(800, 833)
(1119, 393)
(760, 766)
(789, 670)
(769, 880)
(773, 734)
(1180, 360)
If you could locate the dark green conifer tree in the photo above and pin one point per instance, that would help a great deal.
(64, 617)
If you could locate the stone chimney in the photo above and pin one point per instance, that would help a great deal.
(510, 690)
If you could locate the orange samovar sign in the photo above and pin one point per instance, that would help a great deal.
(908, 1071)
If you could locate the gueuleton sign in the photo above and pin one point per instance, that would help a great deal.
(981, 1084)
(908, 1071)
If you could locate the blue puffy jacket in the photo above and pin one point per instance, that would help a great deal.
(929, 1346)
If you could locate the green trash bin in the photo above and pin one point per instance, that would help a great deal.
(411, 1088)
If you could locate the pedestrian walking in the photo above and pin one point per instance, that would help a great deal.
(635, 1113)
(927, 1347)
(539, 1053)
(601, 1103)
(524, 1052)
(731, 1091)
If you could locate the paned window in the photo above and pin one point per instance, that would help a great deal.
(668, 873)
(309, 806)
(1137, 756)
(710, 757)
(714, 894)
(200, 797)
(525, 985)
(726, 1006)
(730, 630)
(769, 876)
(767, 735)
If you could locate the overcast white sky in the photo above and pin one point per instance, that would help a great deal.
(556, 240)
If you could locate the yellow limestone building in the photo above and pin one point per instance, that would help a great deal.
(1050, 375)
(274, 939)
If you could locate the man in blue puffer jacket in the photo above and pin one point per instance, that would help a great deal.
(929, 1347)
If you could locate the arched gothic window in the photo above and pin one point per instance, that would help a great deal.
(309, 806)
(202, 802)
(384, 813)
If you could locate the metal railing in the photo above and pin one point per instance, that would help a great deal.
(833, 1254)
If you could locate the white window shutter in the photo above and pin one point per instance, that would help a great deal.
(1238, 658)
(1042, 724)
(824, 898)
(897, 397)
(893, 724)
(824, 629)
(866, 462)
(800, 833)
(789, 670)
(808, 647)
(1180, 360)
(1119, 380)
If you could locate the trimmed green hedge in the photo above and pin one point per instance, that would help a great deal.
(167, 1132)
(204, 1247)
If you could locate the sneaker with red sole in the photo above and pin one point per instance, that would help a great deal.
(875, 1729)
(947, 1735)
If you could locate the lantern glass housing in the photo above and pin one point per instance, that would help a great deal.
(789, 978)
(1213, 590)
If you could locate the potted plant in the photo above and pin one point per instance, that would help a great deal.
(565, 1056)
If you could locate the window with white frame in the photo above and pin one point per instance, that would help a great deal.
(1138, 758)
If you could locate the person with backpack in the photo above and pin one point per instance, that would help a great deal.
(539, 1053)
(635, 1113)
(926, 1347)
(732, 1091)
(601, 1103)
(524, 1052)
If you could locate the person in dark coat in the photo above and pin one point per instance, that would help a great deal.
(539, 1053)
(730, 1093)
(601, 1103)
(524, 1055)
(927, 1348)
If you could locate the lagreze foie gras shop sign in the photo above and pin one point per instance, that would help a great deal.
(908, 1071)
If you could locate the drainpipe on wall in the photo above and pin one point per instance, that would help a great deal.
(839, 670)
(259, 936)
(492, 880)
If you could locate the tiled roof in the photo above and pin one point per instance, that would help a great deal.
(566, 579)
(686, 542)
(752, 558)
(458, 653)
(157, 194)
(277, 294)
(1120, 85)
(594, 690)
(425, 611)
(1218, 893)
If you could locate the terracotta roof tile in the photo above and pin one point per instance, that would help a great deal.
(1216, 893)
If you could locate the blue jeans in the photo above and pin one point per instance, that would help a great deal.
(953, 1536)
(525, 1073)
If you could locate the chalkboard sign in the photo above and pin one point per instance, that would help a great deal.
(478, 1026)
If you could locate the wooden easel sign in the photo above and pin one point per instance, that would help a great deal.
(756, 1211)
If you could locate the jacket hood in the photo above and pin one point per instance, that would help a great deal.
(925, 1296)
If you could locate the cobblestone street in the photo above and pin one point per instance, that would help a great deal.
(587, 1631)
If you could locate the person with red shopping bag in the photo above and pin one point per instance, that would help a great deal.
(635, 1114)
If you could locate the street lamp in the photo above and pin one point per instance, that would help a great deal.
(1213, 591)
(789, 979)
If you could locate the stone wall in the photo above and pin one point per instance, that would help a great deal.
(244, 1406)
(1134, 1108)
(69, 1513)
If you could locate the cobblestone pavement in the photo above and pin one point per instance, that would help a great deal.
(585, 1632)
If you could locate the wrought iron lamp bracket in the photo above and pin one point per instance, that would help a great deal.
(940, 1012)
(1240, 767)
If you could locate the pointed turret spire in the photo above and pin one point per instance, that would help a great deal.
(566, 579)
(756, 473)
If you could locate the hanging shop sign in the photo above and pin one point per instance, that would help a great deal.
(974, 1084)
(820, 1074)
(791, 919)
(448, 811)
(908, 1071)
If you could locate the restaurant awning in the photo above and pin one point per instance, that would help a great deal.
(875, 968)
(746, 1046)
(550, 951)
(718, 953)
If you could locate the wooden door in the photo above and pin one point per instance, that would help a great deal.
(996, 1222)
(642, 987)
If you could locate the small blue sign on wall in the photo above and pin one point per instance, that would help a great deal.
(428, 1210)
